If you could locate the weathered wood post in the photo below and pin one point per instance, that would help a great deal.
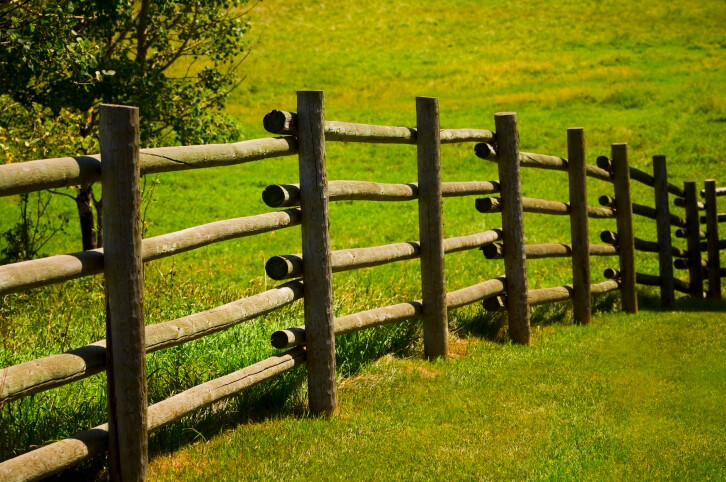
(693, 233)
(624, 218)
(317, 272)
(714, 264)
(663, 226)
(431, 228)
(515, 266)
(581, 296)
(124, 285)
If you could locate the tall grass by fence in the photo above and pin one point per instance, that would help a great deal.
(305, 133)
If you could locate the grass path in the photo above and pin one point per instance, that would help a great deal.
(627, 397)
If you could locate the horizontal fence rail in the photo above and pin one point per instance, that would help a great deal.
(606, 164)
(74, 171)
(611, 237)
(392, 314)
(543, 296)
(537, 251)
(55, 457)
(645, 211)
(541, 161)
(283, 195)
(291, 265)
(648, 280)
(53, 371)
(282, 122)
(542, 206)
(55, 269)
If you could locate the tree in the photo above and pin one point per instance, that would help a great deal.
(175, 60)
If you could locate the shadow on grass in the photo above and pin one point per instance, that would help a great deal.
(285, 396)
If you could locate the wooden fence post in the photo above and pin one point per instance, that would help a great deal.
(663, 224)
(317, 272)
(714, 263)
(624, 218)
(693, 230)
(581, 296)
(431, 228)
(124, 286)
(515, 266)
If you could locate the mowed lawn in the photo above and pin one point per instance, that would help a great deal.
(628, 397)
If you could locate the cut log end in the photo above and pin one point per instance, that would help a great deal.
(604, 162)
(611, 273)
(281, 195)
(280, 122)
(283, 267)
(493, 251)
(485, 151)
(496, 303)
(488, 205)
(609, 237)
(606, 201)
(288, 338)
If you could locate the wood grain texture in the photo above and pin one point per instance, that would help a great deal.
(579, 227)
(624, 217)
(712, 220)
(548, 250)
(392, 314)
(281, 122)
(317, 273)
(541, 206)
(290, 265)
(541, 161)
(124, 286)
(53, 458)
(73, 171)
(648, 280)
(694, 235)
(664, 246)
(645, 211)
(53, 371)
(55, 269)
(544, 296)
(515, 266)
(431, 229)
(283, 195)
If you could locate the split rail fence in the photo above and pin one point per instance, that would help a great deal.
(122, 354)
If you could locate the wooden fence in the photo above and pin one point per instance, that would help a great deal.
(305, 133)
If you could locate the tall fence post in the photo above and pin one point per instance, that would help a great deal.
(663, 226)
(124, 286)
(515, 266)
(624, 218)
(431, 228)
(579, 228)
(317, 272)
(714, 263)
(693, 233)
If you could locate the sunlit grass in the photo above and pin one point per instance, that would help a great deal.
(651, 74)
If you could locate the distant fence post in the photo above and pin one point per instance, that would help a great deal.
(124, 286)
(714, 263)
(579, 228)
(693, 233)
(515, 266)
(431, 228)
(624, 218)
(663, 224)
(317, 272)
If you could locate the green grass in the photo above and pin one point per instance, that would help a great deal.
(624, 398)
(648, 73)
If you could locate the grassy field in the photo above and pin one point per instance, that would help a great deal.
(651, 74)
(623, 399)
